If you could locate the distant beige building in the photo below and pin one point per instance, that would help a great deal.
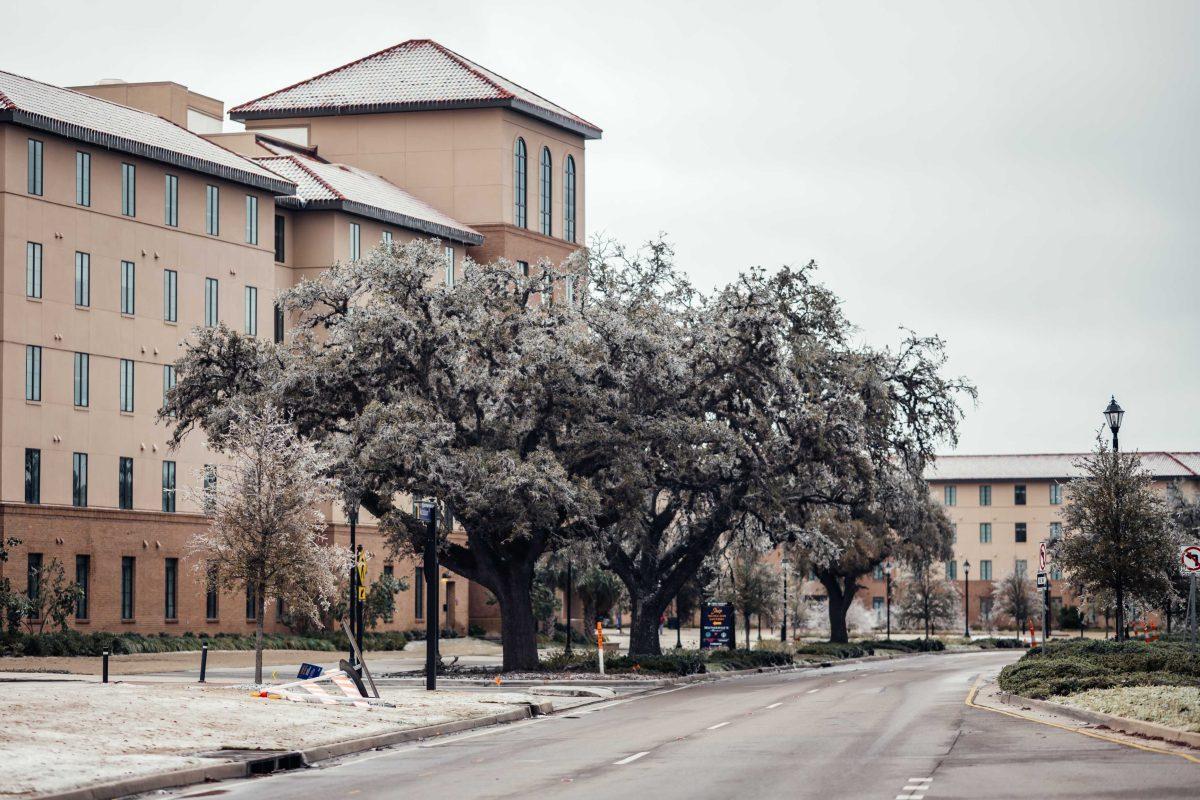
(127, 218)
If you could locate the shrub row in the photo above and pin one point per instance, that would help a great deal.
(750, 659)
(996, 643)
(1062, 668)
(909, 645)
(74, 643)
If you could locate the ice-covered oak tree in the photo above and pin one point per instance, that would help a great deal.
(266, 532)
(480, 395)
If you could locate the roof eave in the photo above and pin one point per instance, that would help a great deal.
(516, 104)
(383, 215)
(109, 141)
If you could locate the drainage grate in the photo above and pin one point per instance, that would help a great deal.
(260, 762)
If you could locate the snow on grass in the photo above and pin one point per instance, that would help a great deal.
(1173, 706)
(57, 736)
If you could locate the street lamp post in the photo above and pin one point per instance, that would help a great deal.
(887, 594)
(967, 599)
(427, 513)
(1114, 415)
(678, 626)
(352, 515)
(783, 628)
(569, 576)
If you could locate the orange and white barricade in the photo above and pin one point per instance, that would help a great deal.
(317, 690)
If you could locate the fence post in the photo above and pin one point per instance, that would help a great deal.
(203, 661)
(104, 655)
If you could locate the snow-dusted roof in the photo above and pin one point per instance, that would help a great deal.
(416, 75)
(1161, 464)
(323, 185)
(79, 116)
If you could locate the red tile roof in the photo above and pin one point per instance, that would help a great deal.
(416, 75)
(323, 185)
(79, 116)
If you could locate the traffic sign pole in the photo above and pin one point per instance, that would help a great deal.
(1189, 564)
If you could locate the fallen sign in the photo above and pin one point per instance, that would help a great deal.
(312, 690)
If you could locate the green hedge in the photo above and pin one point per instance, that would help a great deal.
(687, 662)
(910, 645)
(835, 650)
(750, 659)
(74, 643)
(995, 643)
(1062, 668)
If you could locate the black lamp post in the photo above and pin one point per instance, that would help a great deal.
(967, 599)
(567, 649)
(887, 575)
(1114, 415)
(352, 515)
(678, 626)
(783, 628)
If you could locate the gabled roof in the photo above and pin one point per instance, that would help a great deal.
(322, 185)
(1050, 466)
(84, 118)
(417, 75)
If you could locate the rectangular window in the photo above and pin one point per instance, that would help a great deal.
(1021, 533)
(127, 385)
(83, 379)
(1056, 494)
(83, 178)
(33, 581)
(280, 609)
(278, 323)
(251, 219)
(1056, 574)
(985, 570)
(83, 279)
(1021, 567)
(950, 495)
(125, 483)
(280, 231)
(168, 381)
(171, 201)
(170, 587)
(355, 241)
(1055, 530)
(386, 240)
(1019, 494)
(877, 607)
(251, 311)
(33, 373)
(986, 605)
(33, 476)
(524, 266)
(212, 210)
(129, 190)
(985, 533)
(170, 295)
(211, 602)
(128, 277)
(390, 572)
(210, 488)
(83, 575)
(34, 183)
(569, 287)
(127, 576)
(878, 573)
(952, 570)
(79, 479)
(251, 606)
(211, 318)
(419, 594)
(985, 495)
(449, 258)
(168, 486)
(33, 269)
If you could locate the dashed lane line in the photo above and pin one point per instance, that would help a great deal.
(630, 759)
(915, 789)
(812, 691)
(775, 705)
(718, 725)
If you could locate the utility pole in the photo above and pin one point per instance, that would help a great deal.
(887, 576)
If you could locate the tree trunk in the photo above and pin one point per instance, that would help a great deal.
(643, 631)
(746, 619)
(517, 626)
(840, 599)
(260, 604)
(1120, 612)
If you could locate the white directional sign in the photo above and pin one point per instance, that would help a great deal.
(1189, 559)
(1042, 559)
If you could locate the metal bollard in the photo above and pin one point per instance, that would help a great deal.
(104, 679)
(203, 661)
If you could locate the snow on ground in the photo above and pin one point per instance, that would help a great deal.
(56, 736)
(1173, 706)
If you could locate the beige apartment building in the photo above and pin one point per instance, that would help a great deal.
(1004, 506)
(127, 218)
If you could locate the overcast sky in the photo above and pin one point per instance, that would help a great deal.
(1021, 178)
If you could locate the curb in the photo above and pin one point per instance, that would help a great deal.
(1135, 727)
(309, 756)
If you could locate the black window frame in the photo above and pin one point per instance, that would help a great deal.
(171, 200)
(33, 476)
(128, 288)
(170, 295)
(83, 179)
(169, 489)
(1020, 532)
(33, 270)
(79, 480)
(569, 199)
(520, 184)
(81, 380)
(83, 579)
(83, 279)
(35, 165)
(33, 373)
(171, 588)
(280, 238)
(128, 588)
(1020, 494)
(546, 192)
(125, 483)
(128, 189)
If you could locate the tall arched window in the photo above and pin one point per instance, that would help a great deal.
(569, 199)
(520, 185)
(547, 192)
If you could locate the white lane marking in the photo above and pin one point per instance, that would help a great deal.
(718, 725)
(843, 680)
(630, 759)
(910, 797)
(775, 705)
(812, 691)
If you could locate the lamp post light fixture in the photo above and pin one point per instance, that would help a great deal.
(1114, 415)
(967, 599)
(783, 628)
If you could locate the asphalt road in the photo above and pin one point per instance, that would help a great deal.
(898, 729)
